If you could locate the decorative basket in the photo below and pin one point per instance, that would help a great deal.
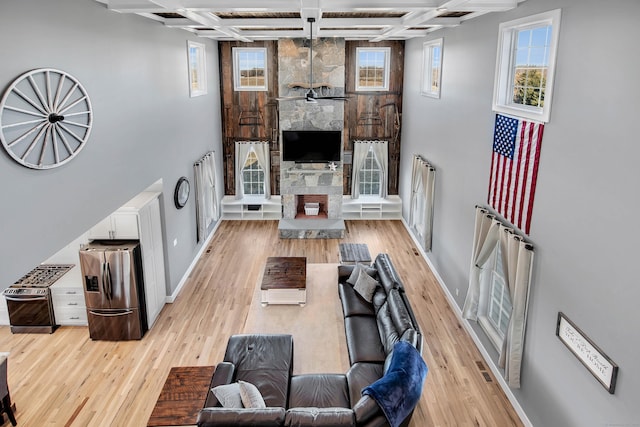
(311, 208)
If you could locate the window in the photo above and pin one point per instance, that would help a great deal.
(252, 175)
(370, 175)
(525, 66)
(432, 68)
(250, 68)
(494, 310)
(372, 68)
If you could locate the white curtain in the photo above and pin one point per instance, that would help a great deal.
(205, 193)
(360, 151)
(422, 201)
(261, 148)
(517, 261)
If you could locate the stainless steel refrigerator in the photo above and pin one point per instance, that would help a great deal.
(114, 290)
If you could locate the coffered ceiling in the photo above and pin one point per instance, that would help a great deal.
(251, 20)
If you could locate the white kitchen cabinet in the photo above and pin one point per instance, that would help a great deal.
(67, 296)
(118, 225)
(69, 306)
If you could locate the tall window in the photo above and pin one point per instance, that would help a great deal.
(249, 68)
(252, 175)
(370, 176)
(495, 311)
(431, 68)
(372, 68)
(525, 66)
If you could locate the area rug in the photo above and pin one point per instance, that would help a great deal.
(319, 342)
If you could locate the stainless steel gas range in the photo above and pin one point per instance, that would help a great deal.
(29, 299)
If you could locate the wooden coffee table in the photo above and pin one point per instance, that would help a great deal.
(182, 396)
(284, 281)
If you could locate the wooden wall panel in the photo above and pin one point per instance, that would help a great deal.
(248, 115)
(375, 114)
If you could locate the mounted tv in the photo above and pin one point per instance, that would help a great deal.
(311, 146)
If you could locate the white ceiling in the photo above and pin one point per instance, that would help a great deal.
(251, 20)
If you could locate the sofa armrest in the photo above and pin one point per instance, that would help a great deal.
(366, 410)
(258, 417)
(223, 374)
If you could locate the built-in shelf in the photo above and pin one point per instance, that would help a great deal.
(251, 207)
(372, 207)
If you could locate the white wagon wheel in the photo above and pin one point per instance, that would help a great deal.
(45, 118)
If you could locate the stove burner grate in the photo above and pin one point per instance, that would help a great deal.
(43, 275)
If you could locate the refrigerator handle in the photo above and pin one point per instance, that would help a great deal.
(107, 282)
(114, 314)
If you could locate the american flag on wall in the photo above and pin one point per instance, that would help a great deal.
(514, 169)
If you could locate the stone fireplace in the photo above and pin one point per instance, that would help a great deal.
(311, 182)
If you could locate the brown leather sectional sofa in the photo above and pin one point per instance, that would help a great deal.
(372, 330)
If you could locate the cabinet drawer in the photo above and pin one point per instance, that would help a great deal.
(68, 299)
(71, 315)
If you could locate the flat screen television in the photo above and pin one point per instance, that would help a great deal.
(311, 146)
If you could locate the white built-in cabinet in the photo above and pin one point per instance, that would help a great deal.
(140, 219)
(118, 225)
(251, 207)
(372, 207)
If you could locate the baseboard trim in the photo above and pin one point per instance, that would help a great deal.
(171, 298)
(458, 312)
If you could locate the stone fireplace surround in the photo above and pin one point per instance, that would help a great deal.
(311, 179)
(311, 182)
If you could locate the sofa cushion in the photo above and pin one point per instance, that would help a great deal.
(398, 311)
(412, 337)
(379, 298)
(387, 275)
(250, 395)
(352, 304)
(308, 417)
(264, 360)
(388, 334)
(319, 390)
(363, 343)
(361, 375)
(228, 395)
(264, 417)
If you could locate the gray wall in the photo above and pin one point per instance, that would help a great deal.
(583, 226)
(146, 127)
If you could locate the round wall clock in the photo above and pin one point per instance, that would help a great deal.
(181, 194)
(45, 118)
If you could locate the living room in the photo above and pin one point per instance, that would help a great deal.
(148, 128)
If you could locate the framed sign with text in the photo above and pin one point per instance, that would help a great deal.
(591, 356)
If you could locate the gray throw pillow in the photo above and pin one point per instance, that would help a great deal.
(353, 278)
(228, 395)
(365, 285)
(250, 395)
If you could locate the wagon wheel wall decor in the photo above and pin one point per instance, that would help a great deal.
(45, 118)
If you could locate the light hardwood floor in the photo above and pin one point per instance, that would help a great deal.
(65, 379)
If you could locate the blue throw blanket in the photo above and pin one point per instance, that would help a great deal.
(398, 391)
